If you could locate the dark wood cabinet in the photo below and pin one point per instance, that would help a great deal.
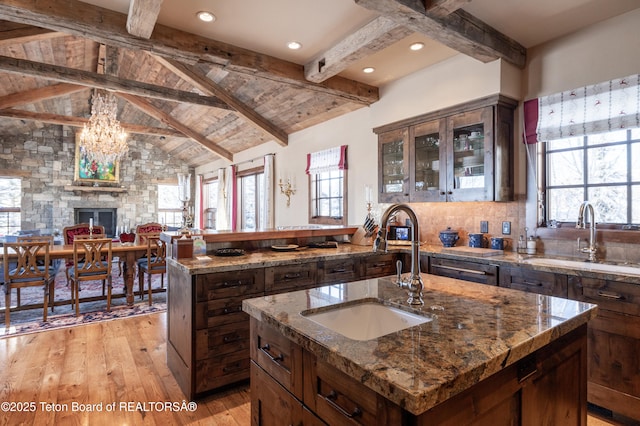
(208, 333)
(532, 281)
(462, 153)
(614, 343)
(478, 272)
(283, 278)
(207, 341)
(546, 387)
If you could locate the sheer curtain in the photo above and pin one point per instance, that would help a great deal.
(267, 219)
(227, 195)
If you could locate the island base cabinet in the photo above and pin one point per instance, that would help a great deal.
(272, 405)
(546, 387)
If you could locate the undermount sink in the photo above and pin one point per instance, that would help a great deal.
(584, 265)
(366, 321)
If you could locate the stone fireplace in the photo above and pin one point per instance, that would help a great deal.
(106, 217)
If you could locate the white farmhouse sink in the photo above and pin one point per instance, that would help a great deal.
(584, 266)
(366, 321)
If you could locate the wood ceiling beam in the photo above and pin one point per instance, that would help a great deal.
(13, 33)
(109, 27)
(80, 122)
(142, 17)
(371, 38)
(39, 94)
(459, 30)
(442, 8)
(209, 87)
(146, 107)
(107, 82)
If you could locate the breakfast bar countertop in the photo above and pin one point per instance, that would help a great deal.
(475, 331)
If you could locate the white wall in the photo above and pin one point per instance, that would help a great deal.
(601, 52)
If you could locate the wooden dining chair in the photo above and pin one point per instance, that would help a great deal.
(31, 269)
(69, 234)
(91, 262)
(147, 228)
(155, 262)
(53, 266)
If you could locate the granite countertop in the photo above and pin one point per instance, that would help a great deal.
(476, 330)
(265, 258)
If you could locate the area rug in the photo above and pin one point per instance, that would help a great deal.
(30, 320)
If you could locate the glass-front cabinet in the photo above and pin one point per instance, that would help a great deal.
(463, 153)
(392, 166)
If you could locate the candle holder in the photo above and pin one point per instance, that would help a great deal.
(287, 189)
(184, 195)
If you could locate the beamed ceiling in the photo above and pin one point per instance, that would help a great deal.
(201, 99)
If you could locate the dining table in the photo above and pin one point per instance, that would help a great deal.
(129, 252)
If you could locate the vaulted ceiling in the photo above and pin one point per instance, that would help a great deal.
(202, 94)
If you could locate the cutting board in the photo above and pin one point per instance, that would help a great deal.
(472, 251)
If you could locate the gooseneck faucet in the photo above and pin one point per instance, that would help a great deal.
(581, 223)
(414, 282)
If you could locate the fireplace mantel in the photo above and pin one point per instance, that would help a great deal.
(94, 188)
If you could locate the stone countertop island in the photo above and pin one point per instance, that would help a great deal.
(476, 332)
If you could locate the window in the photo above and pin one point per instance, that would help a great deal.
(602, 168)
(169, 206)
(10, 196)
(328, 197)
(251, 197)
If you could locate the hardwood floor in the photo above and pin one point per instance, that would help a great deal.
(118, 363)
(55, 377)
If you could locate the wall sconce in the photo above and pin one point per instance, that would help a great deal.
(287, 189)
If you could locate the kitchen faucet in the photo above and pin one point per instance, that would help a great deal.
(414, 283)
(581, 223)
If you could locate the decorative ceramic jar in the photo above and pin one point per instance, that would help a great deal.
(449, 237)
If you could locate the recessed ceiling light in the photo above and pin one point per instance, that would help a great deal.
(294, 45)
(416, 46)
(205, 16)
(368, 70)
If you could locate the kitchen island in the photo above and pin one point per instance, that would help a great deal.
(486, 353)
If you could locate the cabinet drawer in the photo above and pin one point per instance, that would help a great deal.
(229, 284)
(540, 282)
(290, 277)
(378, 266)
(463, 270)
(612, 295)
(219, 312)
(337, 271)
(225, 339)
(278, 356)
(212, 373)
(339, 399)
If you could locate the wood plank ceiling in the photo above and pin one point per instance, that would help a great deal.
(196, 98)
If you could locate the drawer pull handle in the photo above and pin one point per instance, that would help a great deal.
(232, 310)
(266, 348)
(525, 282)
(610, 296)
(232, 283)
(461, 270)
(379, 265)
(338, 270)
(229, 339)
(331, 400)
(292, 276)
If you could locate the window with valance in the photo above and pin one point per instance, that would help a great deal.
(327, 172)
(591, 151)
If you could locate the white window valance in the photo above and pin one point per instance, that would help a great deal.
(603, 107)
(327, 160)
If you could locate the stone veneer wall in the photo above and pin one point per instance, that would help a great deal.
(45, 160)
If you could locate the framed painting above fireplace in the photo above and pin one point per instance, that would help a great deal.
(88, 169)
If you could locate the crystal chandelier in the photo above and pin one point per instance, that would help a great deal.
(103, 138)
